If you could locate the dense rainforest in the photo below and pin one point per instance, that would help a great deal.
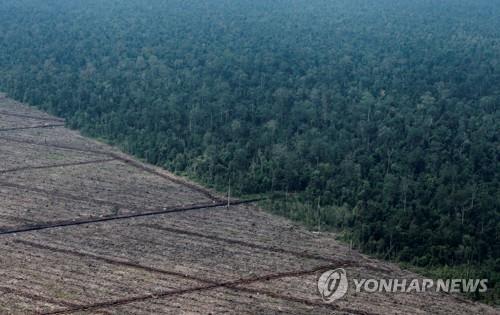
(379, 119)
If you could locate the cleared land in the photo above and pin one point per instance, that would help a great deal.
(85, 229)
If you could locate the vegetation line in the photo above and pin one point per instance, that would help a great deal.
(55, 165)
(56, 146)
(31, 117)
(32, 127)
(77, 222)
(35, 297)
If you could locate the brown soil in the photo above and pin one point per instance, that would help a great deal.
(85, 229)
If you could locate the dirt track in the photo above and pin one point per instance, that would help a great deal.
(85, 229)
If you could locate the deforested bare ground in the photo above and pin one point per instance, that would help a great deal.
(87, 230)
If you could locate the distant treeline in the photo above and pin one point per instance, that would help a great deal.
(378, 118)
